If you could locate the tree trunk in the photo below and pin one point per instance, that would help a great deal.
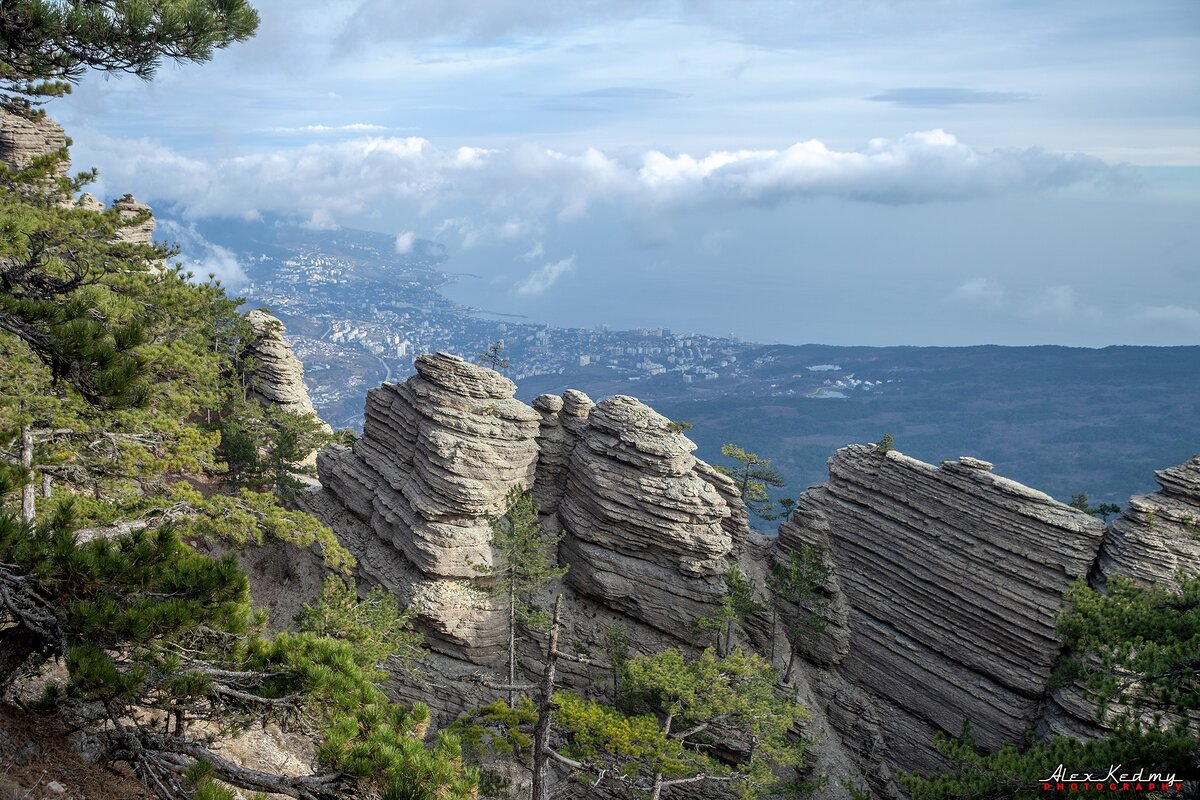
(774, 624)
(46, 481)
(658, 776)
(787, 673)
(512, 636)
(541, 731)
(17, 645)
(29, 488)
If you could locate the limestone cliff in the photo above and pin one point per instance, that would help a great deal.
(274, 375)
(943, 591)
(1158, 534)
(946, 585)
(942, 588)
(23, 139)
(650, 531)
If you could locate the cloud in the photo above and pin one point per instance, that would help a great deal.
(354, 127)
(472, 21)
(201, 256)
(320, 220)
(333, 181)
(544, 277)
(404, 242)
(946, 97)
(1171, 316)
(1061, 302)
(979, 291)
(537, 251)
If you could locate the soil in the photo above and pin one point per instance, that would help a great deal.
(36, 759)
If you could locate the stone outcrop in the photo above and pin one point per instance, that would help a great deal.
(645, 532)
(1155, 539)
(1158, 534)
(140, 221)
(648, 531)
(942, 602)
(938, 592)
(437, 457)
(275, 375)
(22, 140)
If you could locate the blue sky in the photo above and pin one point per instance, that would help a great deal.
(853, 172)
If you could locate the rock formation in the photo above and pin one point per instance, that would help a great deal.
(650, 531)
(275, 375)
(437, 456)
(1155, 539)
(941, 608)
(645, 533)
(1158, 534)
(131, 210)
(941, 588)
(22, 139)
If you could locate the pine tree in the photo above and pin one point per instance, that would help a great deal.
(526, 560)
(1136, 651)
(737, 604)
(676, 710)
(493, 357)
(48, 44)
(753, 475)
(797, 581)
(155, 636)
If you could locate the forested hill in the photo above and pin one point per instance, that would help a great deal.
(1062, 419)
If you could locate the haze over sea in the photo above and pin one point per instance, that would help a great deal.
(1006, 171)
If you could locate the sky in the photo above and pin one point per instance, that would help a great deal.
(927, 172)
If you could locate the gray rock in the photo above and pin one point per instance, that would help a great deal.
(649, 530)
(88, 202)
(17, 749)
(943, 602)
(1158, 535)
(22, 140)
(87, 746)
(277, 376)
(136, 232)
(646, 527)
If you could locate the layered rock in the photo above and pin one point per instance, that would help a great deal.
(138, 219)
(22, 140)
(1158, 534)
(649, 531)
(437, 457)
(275, 375)
(645, 532)
(942, 607)
(1155, 539)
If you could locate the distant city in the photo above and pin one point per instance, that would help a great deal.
(1060, 419)
(357, 313)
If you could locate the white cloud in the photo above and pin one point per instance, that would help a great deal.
(544, 277)
(332, 181)
(1173, 316)
(202, 257)
(354, 127)
(320, 220)
(537, 251)
(404, 242)
(979, 291)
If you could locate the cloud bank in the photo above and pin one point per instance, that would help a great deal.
(338, 180)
